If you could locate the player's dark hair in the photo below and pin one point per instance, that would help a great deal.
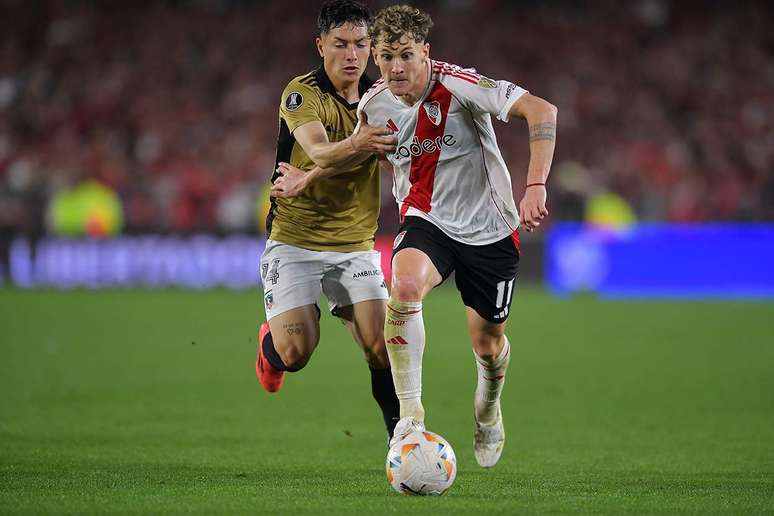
(335, 13)
(396, 21)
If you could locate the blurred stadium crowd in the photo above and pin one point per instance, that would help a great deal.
(667, 106)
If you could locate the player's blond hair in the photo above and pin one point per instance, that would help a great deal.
(392, 23)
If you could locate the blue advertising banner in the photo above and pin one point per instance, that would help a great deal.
(135, 261)
(660, 260)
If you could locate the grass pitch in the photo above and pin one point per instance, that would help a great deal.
(146, 402)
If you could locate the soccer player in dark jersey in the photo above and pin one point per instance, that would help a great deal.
(322, 240)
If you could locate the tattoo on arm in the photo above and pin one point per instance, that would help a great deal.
(542, 131)
(293, 328)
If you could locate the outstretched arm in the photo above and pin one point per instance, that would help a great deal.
(541, 119)
(364, 141)
(293, 181)
(332, 158)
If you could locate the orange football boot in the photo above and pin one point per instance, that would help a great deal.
(270, 378)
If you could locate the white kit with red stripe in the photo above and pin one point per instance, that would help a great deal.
(447, 166)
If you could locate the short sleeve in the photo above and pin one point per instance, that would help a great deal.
(300, 105)
(486, 95)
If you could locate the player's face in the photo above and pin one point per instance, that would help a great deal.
(403, 65)
(345, 52)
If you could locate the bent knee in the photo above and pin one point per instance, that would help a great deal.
(406, 287)
(294, 358)
(487, 346)
(295, 353)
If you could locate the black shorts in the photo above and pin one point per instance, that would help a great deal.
(485, 274)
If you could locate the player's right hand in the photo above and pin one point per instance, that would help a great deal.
(367, 138)
(291, 182)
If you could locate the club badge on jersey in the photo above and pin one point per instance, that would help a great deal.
(433, 110)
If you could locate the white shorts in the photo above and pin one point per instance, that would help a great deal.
(293, 277)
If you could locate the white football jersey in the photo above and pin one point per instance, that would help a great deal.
(447, 167)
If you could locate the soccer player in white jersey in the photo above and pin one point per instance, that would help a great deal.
(455, 197)
(456, 204)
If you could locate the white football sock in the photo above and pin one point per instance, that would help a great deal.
(491, 379)
(404, 335)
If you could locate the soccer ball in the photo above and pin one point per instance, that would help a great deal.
(422, 463)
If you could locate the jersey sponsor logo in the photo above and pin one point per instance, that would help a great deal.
(398, 239)
(294, 101)
(392, 126)
(417, 148)
(392, 322)
(486, 82)
(365, 274)
(433, 110)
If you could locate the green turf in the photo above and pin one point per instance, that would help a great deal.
(146, 402)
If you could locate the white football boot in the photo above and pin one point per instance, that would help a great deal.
(489, 440)
(405, 426)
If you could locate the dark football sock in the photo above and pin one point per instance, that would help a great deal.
(384, 393)
(271, 354)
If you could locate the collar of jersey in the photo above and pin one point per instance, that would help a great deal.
(326, 86)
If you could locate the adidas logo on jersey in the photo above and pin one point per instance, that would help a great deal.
(397, 340)
(417, 148)
(392, 126)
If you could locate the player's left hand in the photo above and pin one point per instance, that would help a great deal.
(532, 208)
(291, 182)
